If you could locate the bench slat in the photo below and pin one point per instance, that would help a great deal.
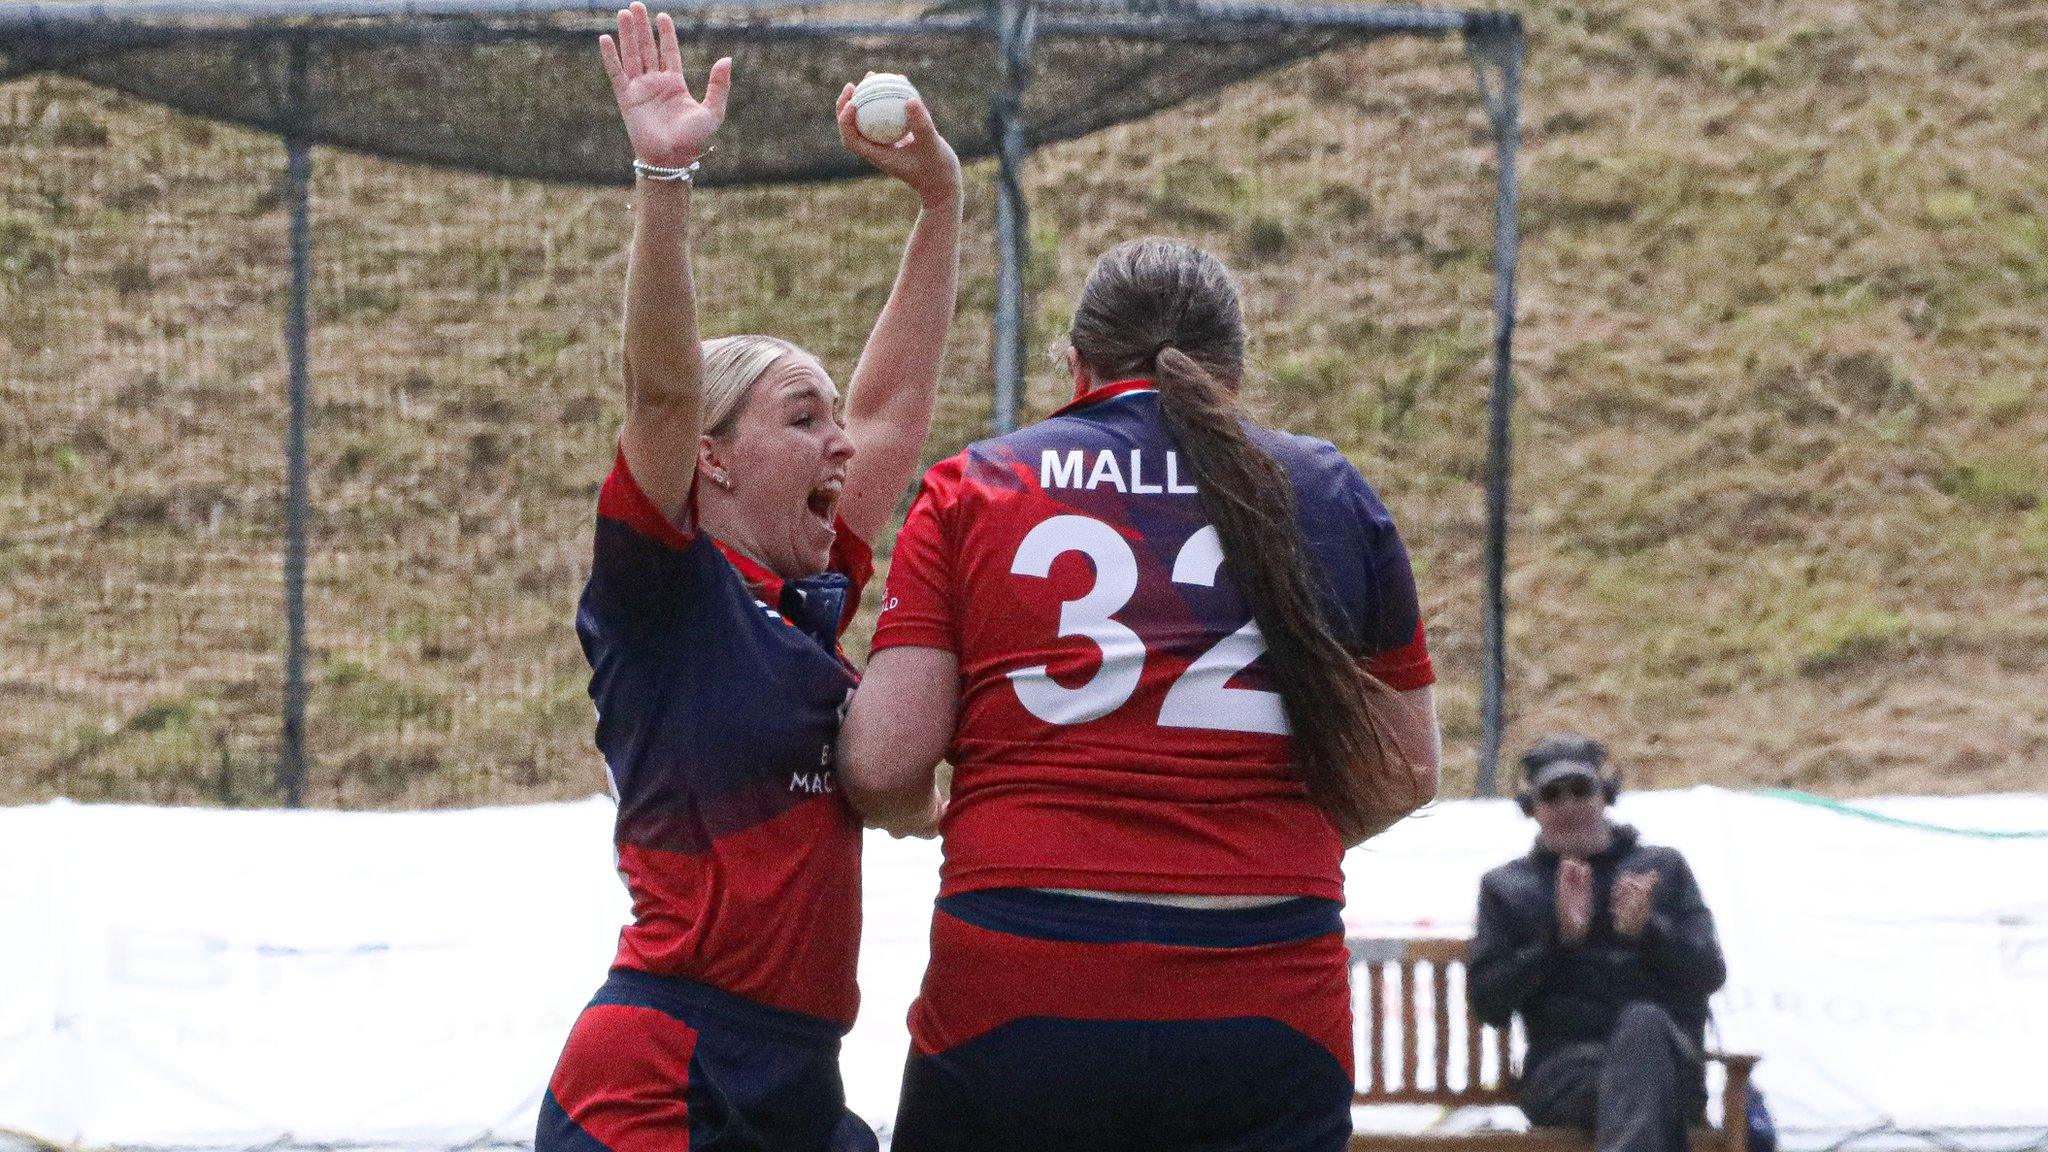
(1376, 980)
(1473, 1049)
(1503, 1043)
(1455, 1099)
(1409, 1026)
(1440, 991)
(1533, 1140)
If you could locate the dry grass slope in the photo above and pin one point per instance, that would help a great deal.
(1780, 511)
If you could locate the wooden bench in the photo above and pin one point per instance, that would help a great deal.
(1417, 1044)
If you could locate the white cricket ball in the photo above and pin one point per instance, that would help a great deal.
(881, 107)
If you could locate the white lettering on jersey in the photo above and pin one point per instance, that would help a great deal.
(1200, 698)
(824, 779)
(1138, 485)
(1071, 469)
(812, 783)
(1059, 469)
(1105, 468)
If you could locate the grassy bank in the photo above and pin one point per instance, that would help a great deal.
(1782, 450)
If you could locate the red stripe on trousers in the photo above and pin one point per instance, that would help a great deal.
(624, 1077)
(979, 980)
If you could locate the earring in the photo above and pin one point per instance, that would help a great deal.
(722, 480)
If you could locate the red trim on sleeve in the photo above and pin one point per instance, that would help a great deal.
(914, 634)
(621, 499)
(919, 610)
(1405, 667)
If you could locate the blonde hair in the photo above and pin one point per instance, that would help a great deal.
(731, 365)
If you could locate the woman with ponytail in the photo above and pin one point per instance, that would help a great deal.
(1176, 661)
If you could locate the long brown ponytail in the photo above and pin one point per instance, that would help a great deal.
(1168, 310)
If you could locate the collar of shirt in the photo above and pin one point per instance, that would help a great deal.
(765, 585)
(1108, 391)
(813, 605)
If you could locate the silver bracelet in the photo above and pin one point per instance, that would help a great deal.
(686, 173)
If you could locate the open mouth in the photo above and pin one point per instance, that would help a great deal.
(823, 502)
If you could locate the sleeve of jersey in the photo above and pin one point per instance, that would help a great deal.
(1405, 667)
(918, 611)
(636, 561)
(1392, 634)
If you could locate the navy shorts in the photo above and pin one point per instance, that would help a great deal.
(1049, 1021)
(661, 1063)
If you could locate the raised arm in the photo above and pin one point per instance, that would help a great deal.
(668, 128)
(889, 401)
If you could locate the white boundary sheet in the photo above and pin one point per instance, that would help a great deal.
(212, 978)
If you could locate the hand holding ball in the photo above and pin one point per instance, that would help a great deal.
(880, 107)
(885, 122)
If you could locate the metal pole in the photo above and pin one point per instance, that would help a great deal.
(1006, 127)
(1499, 45)
(291, 768)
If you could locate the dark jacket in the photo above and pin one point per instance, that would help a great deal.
(1569, 994)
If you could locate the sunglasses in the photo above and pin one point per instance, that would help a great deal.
(1575, 788)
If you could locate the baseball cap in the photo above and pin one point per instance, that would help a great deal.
(1564, 754)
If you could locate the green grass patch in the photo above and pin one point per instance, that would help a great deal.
(1199, 193)
(541, 350)
(164, 744)
(1950, 208)
(1839, 639)
(2034, 533)
(1262, 238)
(1800, 54)
(1997, 483)
(343, 671)
(378, 701)
(2003, 397)
(28, 248)
(2022, 237)
(356, 301)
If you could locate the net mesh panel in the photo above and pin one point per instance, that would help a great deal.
(528, 98)
(465, 399)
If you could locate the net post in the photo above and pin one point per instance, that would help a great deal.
(1015, 22)
(291, 767)
(1495, 44)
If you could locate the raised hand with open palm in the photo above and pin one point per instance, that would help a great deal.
(666, 124)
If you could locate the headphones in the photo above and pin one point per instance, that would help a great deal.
(1566, 746)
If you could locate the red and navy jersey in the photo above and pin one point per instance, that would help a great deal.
(1119, 729)
(719, 692)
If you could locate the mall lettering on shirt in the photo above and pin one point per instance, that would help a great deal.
(1077, 469)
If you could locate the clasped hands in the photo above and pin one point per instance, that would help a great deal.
(1631, 901)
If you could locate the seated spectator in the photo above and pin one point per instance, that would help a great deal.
(1604, 947)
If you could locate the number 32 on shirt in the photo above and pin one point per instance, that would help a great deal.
(1200, 698)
